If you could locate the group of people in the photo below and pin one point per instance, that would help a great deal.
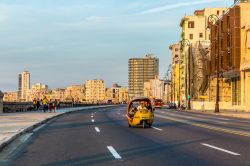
(143, 106)
(46, 105)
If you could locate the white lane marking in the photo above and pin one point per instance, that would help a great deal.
(114, 153)
(92, 116)
(38, 128)
(157, 128)
(93, 120)
(220, 149)
(97, 130)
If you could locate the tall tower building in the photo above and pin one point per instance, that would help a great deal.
(141, 70)
(23, 85)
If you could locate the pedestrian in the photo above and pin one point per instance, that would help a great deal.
(44, 103)
(38, 104)
(35, 104)
(50, 105)
(55, 105)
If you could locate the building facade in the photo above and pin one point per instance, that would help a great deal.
(154, 88)
(195, 50)
(23, 85)
(141, 70)
(178, 82)
(230, 55)
(95, 90)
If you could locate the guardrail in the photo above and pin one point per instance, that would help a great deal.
(11, 107)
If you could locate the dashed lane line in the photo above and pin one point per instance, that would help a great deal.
(231, 131)
(93, 120)
(114, 152)
(157, 128)
(220, 149)
(97, 130)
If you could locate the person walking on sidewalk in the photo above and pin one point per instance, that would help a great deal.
(44, 103)
(38, 104)
(50, 105)
(55, 104)
(35, 104)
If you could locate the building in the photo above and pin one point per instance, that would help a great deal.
(154, 88)
(117, 94)
(39, 86)
(167, 96)
(177, 82)
(95, 90)
(23, 85)
(10, 97)
(230, 56)
(75, 93)
(195, 46)
(140, 71)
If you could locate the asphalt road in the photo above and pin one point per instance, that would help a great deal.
(102, 137)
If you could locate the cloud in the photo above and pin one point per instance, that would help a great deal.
(174, 6)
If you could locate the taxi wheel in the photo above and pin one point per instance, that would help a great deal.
(129, 125)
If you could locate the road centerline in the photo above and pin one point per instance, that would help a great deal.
(220, 149)
(93, 120)
(114, 152)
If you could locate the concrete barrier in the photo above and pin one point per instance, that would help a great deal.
(1, 102)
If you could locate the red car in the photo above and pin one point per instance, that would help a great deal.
(158, 103)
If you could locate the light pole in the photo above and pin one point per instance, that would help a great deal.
(212, 20)
(184, 43)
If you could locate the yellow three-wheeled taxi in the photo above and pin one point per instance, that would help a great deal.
(140, 112)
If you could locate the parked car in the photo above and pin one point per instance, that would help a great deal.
(158, 103)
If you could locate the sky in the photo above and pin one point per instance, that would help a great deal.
(66, 42)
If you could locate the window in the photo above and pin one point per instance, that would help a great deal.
(201, 35)
(190, 24)
(191, 36)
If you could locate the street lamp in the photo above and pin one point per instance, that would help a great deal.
(212, 20)
(184, 43)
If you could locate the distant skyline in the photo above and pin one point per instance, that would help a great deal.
(62, 42)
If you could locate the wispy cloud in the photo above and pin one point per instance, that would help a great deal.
(177, 5)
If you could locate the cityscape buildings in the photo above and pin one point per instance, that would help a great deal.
(141, 70)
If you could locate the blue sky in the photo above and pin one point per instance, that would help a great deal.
(65, 42)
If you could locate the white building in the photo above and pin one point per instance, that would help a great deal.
(154, 89)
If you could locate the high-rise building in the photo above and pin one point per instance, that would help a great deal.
(95, 90)
(141, 70)
(23, 85)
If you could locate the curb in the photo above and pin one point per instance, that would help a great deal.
(28, 129)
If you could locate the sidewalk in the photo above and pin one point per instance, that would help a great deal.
(13, 125)
(227, 113)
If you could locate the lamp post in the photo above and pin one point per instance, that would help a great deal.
(184, 43)
(212, 20)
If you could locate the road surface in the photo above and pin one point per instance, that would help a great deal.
(102, 137)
